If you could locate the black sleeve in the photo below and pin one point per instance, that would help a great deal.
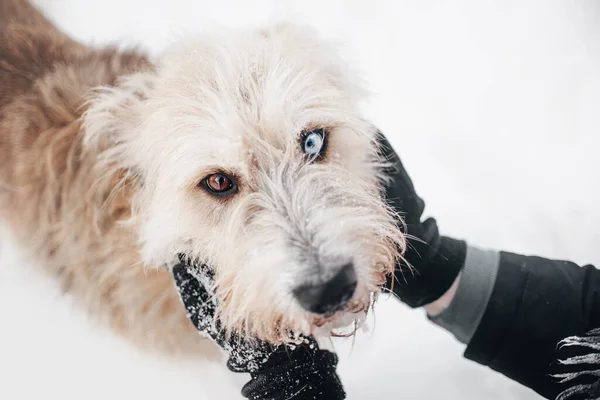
(534, 305)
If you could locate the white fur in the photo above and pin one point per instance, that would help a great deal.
(238, 101)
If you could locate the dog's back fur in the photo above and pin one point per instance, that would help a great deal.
(45, 80)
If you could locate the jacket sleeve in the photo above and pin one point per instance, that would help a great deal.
(533, 305)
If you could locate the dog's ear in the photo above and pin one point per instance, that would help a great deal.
(112, 115)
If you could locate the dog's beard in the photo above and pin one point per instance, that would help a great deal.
(202, 305)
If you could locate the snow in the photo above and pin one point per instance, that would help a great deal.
(492, 105)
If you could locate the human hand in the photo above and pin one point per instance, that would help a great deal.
(432, 262)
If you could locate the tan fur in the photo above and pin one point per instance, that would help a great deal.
(101, 153)
(50, 195)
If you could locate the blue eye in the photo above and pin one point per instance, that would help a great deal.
(314, 143)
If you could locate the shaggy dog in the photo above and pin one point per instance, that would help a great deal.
(244, 150)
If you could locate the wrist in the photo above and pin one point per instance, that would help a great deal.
(438, 306)
(462, 309)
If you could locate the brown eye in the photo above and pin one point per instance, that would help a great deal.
(220, 184)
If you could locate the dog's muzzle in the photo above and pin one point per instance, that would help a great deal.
(328, 297)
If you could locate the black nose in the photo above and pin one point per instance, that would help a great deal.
(331, 296)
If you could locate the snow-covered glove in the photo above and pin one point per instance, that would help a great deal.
(301, 372)
(305, 373)
(436, 260)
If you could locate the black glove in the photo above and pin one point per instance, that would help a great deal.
(278, 372)
(306, 373)
(436, 260)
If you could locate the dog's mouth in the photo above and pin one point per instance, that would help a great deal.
(356, 307)
(350, 316)
(343, 323)
(337, 308)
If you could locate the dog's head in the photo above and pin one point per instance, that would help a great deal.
(254, 159)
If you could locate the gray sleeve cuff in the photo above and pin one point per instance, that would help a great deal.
(474, 290)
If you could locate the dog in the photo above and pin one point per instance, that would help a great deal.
(242, 149)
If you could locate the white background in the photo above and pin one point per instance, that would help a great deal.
(494, 107)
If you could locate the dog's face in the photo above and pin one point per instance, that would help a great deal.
(254, 159)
